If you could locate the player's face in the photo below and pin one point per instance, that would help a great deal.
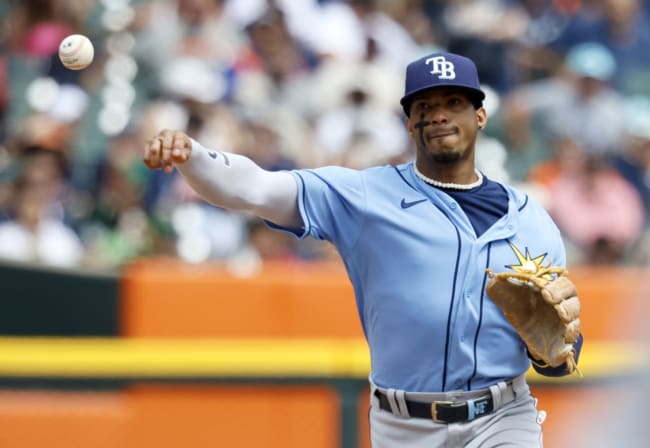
(444, 124)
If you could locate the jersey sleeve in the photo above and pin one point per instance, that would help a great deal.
(331, 201)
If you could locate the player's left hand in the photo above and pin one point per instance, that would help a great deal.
(167, 148)
(544, 309)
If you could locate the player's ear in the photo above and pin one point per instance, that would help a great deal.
(481, 117)
(409, 126)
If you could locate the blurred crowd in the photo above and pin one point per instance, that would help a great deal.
(300, 84)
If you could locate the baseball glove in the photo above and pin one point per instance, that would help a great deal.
(543, 307)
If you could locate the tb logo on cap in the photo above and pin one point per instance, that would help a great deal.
(441, 67)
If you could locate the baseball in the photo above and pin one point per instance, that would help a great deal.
(76, 52)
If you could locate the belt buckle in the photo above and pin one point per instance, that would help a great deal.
(434, 409)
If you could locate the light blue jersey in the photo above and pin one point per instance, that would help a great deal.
(419, 273)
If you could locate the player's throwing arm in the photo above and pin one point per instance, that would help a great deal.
(224, 179)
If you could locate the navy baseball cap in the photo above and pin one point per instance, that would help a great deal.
(439, 70)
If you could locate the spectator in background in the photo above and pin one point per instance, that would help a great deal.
(271, 68)
(37, 231)
(599, 213)
(634, 165)
(39, 25)
(112, 222)
(169, 31)
(33, 236)
(529, 56)
(341, 30)
(411, 15)
(358, 118)
(394, 45)
(566, 157)
(39, 154)
(623, 26)
(4, 90)
(261, 141)
(578, 103)
(634, 162)
(484, 31)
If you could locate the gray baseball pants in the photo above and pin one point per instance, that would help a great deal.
(515, 422)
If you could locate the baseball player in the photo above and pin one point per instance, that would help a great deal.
(448, 369)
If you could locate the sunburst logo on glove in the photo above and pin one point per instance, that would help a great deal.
(528, 264)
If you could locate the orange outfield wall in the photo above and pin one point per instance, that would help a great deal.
(233, 416)
(168, 299)
(150, 416)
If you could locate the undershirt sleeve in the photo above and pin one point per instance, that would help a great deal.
(235, 182)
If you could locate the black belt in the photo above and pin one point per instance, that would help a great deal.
(443, 411)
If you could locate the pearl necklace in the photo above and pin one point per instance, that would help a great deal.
(450, 185)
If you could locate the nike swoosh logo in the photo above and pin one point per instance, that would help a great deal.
(214, 155)
(411, 204)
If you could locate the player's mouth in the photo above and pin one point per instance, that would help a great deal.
(440, 133)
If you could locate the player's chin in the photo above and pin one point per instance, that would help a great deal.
(446, 155)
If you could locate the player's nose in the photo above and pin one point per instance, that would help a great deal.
(438, 116)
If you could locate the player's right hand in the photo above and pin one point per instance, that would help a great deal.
(167, 148)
